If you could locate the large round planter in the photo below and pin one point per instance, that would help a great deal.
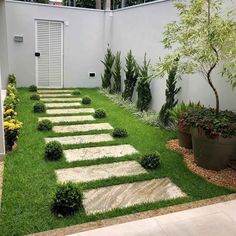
(212, 154)
(185, 139)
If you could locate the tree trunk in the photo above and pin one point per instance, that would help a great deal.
(214, 89)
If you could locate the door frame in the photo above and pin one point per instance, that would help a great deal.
(62, 53)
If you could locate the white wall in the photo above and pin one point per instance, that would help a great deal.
(83, 41)
(3, 70)
(140, 29)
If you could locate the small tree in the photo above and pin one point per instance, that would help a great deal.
(116, 87)
(203, 38)
(108, 64)
(131, 74)
(143, 89)
(171, 92)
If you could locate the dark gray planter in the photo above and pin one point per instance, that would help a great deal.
(212, 154)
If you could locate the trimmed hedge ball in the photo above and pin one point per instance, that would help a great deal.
(119, 133)
(39, 107)
(33, 88)
(45, 125)
(53, 151)
(35, 97)
(76, 92)
(86, 100)
(151, 160)
(67, 200)
(100, 113)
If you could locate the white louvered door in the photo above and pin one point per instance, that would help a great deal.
(49, 54)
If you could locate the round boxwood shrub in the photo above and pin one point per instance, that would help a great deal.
(35, 97)
(100, 113)
(119, 133)
(45, 125)
(76, 92)
(86, 100)
(53, 151)
(67, 199)
(33, 88)
(151, 160)
(39, 107)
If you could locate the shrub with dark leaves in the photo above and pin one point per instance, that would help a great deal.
(151, 160)
(35, 97)
(33, 88)
(119, 133)
(53, 151)
(45, 125)
(100, 113)
(86, 100)
(39, 107)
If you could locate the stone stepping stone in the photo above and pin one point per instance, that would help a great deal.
(70, 111)
(126, 195)
(54, 91)
(81, 128)
(82, 139)
(65, 104)
(55, 95)
(97, 172)
(92, 153)
(67, 118)
(61, 99)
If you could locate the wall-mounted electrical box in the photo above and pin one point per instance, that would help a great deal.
(92, 75)
(18, 38)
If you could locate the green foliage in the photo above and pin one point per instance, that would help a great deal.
(39, 107)
(131, 74)
(181, 108)
(119, 133)
(171, 92)
(151, 160)
(108, 64)
(35, 97)
(100, 113)
(67, 200)
(80, 3)
(45, 125)
(53, 151)
(12, 79)
(116, 87)
(214, 127)
(86, 100)
(76, 92)
(203, 38)
(33, 88)
(143, 89)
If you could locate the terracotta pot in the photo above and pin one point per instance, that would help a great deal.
(212, 154)
(185, 139)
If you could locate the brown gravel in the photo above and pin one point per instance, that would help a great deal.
(226, 177)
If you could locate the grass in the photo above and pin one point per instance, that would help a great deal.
(29, 180)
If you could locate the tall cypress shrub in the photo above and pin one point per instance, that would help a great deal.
(116, 87)
(131, 74)
(143, 89)
(171, 92)
(108, 64)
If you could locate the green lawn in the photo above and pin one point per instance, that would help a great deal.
(29, 180)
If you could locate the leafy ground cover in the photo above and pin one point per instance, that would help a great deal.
(29, 179)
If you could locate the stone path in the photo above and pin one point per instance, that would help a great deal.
(61, 99)
(70, 111)
(65, 104)
(81, 139)
(59, 119)
(54, 91)
(92, 153)
(125, 195)
(81, 128)
(102, 199)
(55, 95)
(96, 172)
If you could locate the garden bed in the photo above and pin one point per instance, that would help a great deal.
(29, 180)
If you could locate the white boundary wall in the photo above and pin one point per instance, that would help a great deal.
(86, 35)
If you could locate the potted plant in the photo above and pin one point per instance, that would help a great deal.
(204, 39)
(180, 114)
(214, 138)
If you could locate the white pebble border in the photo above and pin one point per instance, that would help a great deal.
(70, 111)
(55, 95)
(54, 91)
(65, 104)
(61, 99)
(67, 118)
